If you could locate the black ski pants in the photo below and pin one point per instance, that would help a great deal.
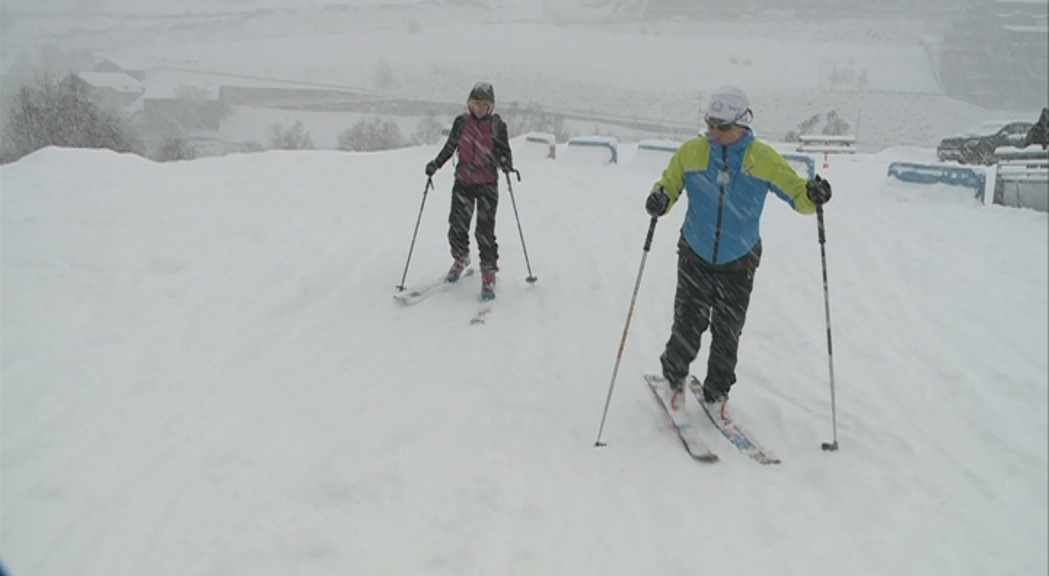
(714, 297)
(486, 198)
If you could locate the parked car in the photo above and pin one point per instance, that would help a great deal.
(976, 145)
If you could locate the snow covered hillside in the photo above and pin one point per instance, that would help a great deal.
(203, 372)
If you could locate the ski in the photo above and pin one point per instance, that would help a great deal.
(719, 415)
(416, 295)
(684, 420)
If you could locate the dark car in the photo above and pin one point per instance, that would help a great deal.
(976, 145)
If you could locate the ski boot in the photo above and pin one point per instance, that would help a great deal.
(488, 284)
(457, 268)
(675, 392)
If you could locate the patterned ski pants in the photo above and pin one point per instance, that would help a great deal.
(486, 198)
(706, 296)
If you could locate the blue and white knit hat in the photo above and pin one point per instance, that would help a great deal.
(729, 105)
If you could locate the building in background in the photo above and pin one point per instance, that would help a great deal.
(996, 53)
(116, 90)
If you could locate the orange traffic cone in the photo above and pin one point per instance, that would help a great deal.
(826, 161)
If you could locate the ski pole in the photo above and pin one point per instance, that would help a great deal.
(833, 445)
(429, 185)
(626, 328)
(531, 279)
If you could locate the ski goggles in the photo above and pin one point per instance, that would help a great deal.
(722, 125)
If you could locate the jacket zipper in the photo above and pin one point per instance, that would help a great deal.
(722, 181)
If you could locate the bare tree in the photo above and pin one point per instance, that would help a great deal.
(61, 113)
(371, 135)
(294, 138)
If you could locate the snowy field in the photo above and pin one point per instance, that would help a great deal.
(204, 373)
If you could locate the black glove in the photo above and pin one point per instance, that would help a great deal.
(819, 191)
(657, 203)
(504, 164)
(431, 168)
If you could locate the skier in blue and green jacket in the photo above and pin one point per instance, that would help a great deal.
(726, 173)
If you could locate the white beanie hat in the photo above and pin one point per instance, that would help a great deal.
(729, 105)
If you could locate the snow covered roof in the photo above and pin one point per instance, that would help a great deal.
(112, 64)
(168, 83)
(1025, 2)
(1035, 29)
(116, 80)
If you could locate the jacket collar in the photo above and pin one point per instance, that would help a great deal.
(738, 145)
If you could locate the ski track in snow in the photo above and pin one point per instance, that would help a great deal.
(204, 372)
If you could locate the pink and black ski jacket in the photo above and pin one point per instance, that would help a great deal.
(481, 142)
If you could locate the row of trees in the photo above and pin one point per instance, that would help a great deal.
(831, 125)
(374, 134)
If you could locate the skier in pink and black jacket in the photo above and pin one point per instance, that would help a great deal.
(480, 137)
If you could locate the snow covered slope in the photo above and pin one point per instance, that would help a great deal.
(203, 372)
